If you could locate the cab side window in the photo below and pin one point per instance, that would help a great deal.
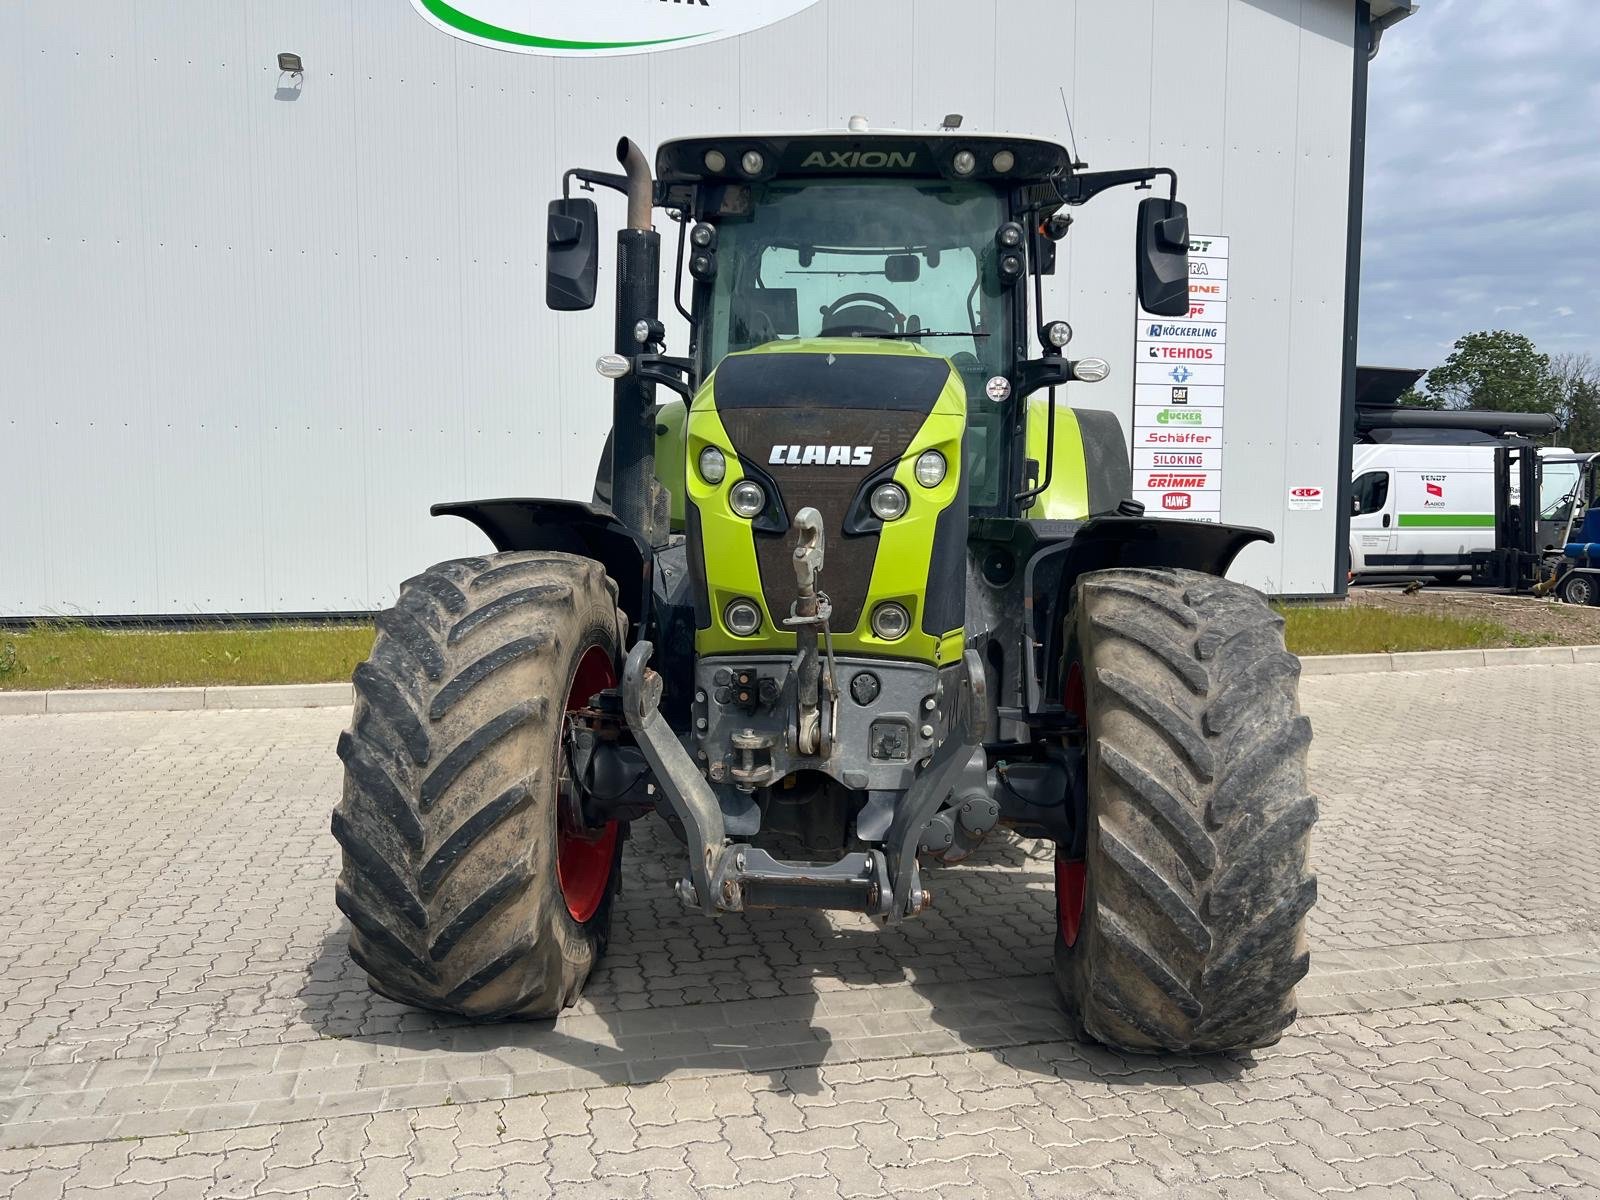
(1371, 492)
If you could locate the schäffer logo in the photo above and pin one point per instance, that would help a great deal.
(588, 28)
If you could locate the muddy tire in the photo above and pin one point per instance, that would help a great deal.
(463, 894)
(1182, 926)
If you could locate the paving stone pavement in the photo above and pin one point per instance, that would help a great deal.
(177, 1016)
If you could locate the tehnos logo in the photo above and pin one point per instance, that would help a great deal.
(821, 456)
(1184, 353)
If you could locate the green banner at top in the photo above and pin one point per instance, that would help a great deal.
(588, 28)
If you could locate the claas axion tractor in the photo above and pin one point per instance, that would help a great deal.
(853, 593)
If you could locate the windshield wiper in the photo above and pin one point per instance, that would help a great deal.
(922, 333)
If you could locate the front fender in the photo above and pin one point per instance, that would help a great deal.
(1100, 544)
(568, 527)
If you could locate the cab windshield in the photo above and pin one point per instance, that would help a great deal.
(909, 260)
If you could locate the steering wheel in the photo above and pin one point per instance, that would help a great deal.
(853, 314)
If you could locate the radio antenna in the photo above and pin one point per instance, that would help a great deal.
(1077, 163)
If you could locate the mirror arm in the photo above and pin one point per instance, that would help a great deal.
(1080, 189)
(675, 373)
(588, 178)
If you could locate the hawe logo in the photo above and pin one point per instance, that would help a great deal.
(591, 28)
(1177, 501)
(821, 456)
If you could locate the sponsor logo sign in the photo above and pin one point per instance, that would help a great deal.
(1180, 393)
(590, 28)
(1305, 499)
(1184, 456)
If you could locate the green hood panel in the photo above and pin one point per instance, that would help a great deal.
(820, 423)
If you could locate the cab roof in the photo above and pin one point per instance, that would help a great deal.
(928, 155)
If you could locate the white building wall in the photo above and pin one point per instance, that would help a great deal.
(247, 336)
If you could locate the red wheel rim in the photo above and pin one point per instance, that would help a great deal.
(584, 856)
(1072, 875)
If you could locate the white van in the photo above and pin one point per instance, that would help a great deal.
(1424, 510)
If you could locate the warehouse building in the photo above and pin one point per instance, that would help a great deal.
(273, 270)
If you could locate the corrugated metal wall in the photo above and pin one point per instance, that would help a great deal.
(249, 332)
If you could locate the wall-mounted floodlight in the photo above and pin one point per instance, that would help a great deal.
(290, 64)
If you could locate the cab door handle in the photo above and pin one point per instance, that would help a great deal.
(1386, 520)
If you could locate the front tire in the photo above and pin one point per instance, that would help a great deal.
(1578, 588)
(465, 890)
(1181, 927)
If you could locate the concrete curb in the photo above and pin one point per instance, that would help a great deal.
(333, 695)
(1440, 660)
(294, 695)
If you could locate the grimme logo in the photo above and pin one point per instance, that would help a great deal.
(825, 456)
(591, 28)
(1177, 481)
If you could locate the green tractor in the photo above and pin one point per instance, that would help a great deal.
(853, 593)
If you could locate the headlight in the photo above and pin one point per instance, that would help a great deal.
(753, 162)
(889, 501)
(930, 468)
(713, 467)
(965, 162)
(1058, 333)
(742, 618)
(747, 499)
(891, 622)
(1003, 161)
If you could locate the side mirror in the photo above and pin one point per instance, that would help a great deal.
(572, 254)
(1163, 256)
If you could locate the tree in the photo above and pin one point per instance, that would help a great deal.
(1577, 384)
(1496, 370)
(1412, 398)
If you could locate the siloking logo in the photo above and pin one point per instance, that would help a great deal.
(1176, 501)
(597, 28)
(1173, 416)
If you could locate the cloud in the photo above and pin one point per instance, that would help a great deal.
(1483, 158)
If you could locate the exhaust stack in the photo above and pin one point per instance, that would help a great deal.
(638, 500)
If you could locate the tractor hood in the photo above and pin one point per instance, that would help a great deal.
(821, 423)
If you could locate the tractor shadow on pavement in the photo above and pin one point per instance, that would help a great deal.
(780, 993)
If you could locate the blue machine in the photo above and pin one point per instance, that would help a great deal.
(1576, 565)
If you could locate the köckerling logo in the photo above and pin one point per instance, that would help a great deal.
(589, 28)
(821, 456)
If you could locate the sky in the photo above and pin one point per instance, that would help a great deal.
(1483, 180)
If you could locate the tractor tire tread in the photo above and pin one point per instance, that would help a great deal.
(1199, 879)
(447, 825)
